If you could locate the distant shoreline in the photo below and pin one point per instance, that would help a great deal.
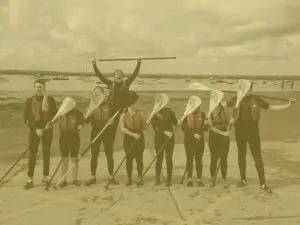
(179, 76)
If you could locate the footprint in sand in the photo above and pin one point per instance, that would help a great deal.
(79, 221)
(217, 212)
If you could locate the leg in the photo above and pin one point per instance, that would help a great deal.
(189, 160)
(140, 147)
(213, 148)
(95, 148)
(255, 147)
(158, 142)
(34, 141)
(225, 149)
(74, 148)
(64, 151)
(108, 148)
(169, 160)
(198, 158)
(241, 140)
(47, 142)
(127, 143)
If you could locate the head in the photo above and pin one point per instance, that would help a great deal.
(198, 109)
(119, 76)
(219, 108)
(98, 90)
(40, 87)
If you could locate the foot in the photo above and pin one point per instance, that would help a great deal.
(200, 183)
(28, 184)
(139, 182)
(45, 181)
(90, 181)
(76, 183)
(189, 183)
(225, 184)
(266, 189)
(168, 183)
(241, 184)
(129, 182)
(212, 184)
(113, 181)
(63, 184)
(157, 182)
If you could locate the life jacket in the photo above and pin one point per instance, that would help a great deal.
(195, 121)
(38, 113)
(102, 113)
(68, 122)
(135, 122)
(254, 111)
(219, 120)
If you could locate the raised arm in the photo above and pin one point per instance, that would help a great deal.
(281, 107)
(135, 73)
(100, 75)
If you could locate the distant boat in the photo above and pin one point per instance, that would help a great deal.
(62, 77)
(188, 79)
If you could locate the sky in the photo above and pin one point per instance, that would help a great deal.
(207, 36)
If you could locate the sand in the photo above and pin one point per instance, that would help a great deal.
(151, 204)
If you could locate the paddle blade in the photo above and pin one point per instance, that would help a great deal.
(66, 106)
(199, 86)
(193, 103)
(96, 99)
(243, 88)
(216, 97)
(161, 101)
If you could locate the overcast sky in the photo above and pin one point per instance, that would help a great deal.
(206, 36)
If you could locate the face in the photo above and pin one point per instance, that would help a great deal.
(39, 89)
(118, 76)
(218, 108)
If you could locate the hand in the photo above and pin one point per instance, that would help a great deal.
(136, 136)
(39, 132)
(94, 62)
(232, 120)
(292, 101)
(197, 136)
(227, 133)
(139, 60)
(79, 127)
(48, 125)
(168, 133)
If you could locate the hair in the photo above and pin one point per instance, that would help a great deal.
(39, 81)
(98, 86)
(118, 70)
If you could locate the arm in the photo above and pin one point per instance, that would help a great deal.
(280, 107)
(26, 112)
(122, 126)
(80, 120)
(214, 129)
(155, 123)
(100, 75)
(135, 73)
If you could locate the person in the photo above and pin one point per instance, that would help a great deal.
(194, 127)
(119, 87)
(164, 123)
(98, 119)
(118, 90)
(246, 121)
(69, 143)
(132, 123)
(218, 142)
(39, 110)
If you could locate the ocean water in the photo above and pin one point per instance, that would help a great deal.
(77, 83)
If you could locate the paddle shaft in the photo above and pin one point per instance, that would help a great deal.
(130, 59)
(10, 169)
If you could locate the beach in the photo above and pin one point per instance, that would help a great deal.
(279, 132)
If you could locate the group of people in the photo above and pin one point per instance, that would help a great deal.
(41, 108)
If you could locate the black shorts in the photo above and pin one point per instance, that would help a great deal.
(69, 144)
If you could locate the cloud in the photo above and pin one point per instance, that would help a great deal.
(206, 36)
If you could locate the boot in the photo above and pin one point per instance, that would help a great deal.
(129, 181)
(200, 183)
(266, 189)
(28, 184)
(139, 182)
(241, 184)
(157, 180)
(189, 182)
(90, 181)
